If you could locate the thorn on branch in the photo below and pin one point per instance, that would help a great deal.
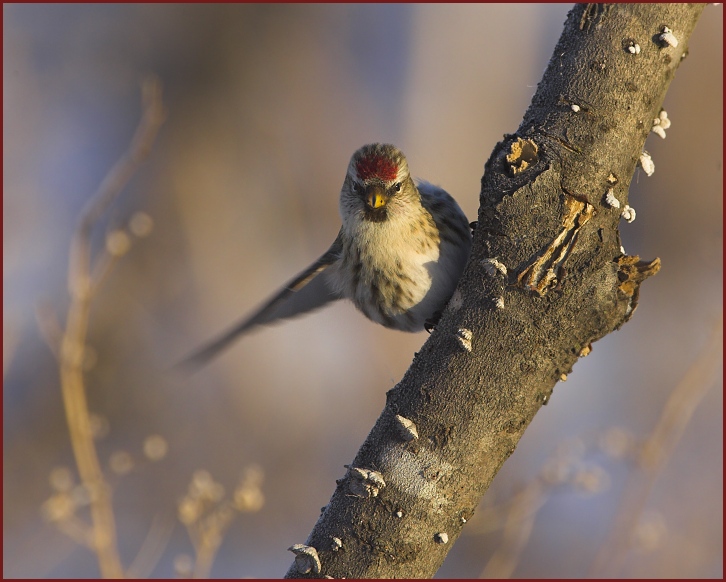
(493, 266)
(406, 428)
(464, 336)
(365, 483)
(306, 558)
(667, 38)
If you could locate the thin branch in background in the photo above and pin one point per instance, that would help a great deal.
(50, 328)
(71, 346)
(516, 517)
(156, 541)
(207, 515)
(565, 468)
(656, 451)
(518, 524)
(79, 267)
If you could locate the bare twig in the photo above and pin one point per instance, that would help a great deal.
(207, 535)
(79, 268)
(153, 546)
(516, 516)
(518, 526)
(72, 343)
(50, 327)
(207, 514)
(656, 451)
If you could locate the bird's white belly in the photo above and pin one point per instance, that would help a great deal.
(400, 291)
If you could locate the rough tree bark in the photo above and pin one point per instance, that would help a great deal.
(547, 277)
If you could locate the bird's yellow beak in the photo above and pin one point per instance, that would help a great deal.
(376, 197)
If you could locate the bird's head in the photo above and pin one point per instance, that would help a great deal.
(377, 185)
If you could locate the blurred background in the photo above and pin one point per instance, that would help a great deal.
(266, 104)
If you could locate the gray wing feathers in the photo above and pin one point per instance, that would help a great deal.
(306, 292)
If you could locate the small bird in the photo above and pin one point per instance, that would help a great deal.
(398, 255)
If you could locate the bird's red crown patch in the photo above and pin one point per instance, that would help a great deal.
(376, 166)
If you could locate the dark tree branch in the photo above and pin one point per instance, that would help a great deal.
(546, 278)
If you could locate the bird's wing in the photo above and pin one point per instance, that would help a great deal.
(305, 292)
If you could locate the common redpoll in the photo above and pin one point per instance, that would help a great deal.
(398, 256)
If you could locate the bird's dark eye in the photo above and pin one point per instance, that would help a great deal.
(356, 187)
(397, 186)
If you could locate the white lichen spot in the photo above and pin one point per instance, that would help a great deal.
(663, 120)
(464, 336)
(563, 377)
(406, 428)
(646, 162)
(628, 213)
(365, 483)
(442, 538)
(493, 266)
(585, 351)
(399, 513)
(634, 48)
(659, 131)
(612, 179)
(610, 199)
(306, 558)
(622, 249)
(456, 301)
(463, 519)
(337, 544)
(667, 37)
(499, 303)
(660, 124)
(417, 474)
(575, 107)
